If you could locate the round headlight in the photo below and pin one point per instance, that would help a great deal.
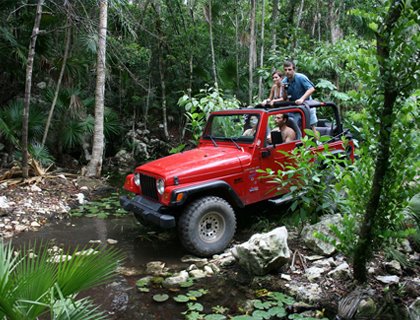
(137, 179)
(160, 185)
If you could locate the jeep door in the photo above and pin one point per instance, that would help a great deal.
(275, 153)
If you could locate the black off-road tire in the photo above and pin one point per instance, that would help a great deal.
(207, 226)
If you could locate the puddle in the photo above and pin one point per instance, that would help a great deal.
(121, 299)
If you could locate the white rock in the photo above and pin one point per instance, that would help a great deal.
(341, 272)
(112, 241)
(81, 198)
(197, 274)
(95, 241)
(176, 279)
(155, 267)
(208, 270)
(388, 279)
(286, 277)
(406, 247)
(35, 224)
(215, 268)
(199, 262)
(414, 309)
(313, 273)
(84, 188)
(393, 267)
(4, 203)
(2, 225)
(20, 228)
(35, 188)
(314, 257)
(192, 267)
(264, 252)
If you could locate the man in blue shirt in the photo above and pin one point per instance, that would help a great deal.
(299, 89)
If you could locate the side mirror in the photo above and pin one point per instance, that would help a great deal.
(265, 153)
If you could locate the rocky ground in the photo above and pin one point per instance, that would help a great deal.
(26, 207)
(324, 281)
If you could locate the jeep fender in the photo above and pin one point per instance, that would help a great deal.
(206, 188)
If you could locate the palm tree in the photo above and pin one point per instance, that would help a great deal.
(34, 282)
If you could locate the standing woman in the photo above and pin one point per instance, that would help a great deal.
(276, 92)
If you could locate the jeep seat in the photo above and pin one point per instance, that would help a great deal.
(292, 124)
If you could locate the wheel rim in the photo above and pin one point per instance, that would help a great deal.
(211, 227)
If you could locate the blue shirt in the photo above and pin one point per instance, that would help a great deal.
(298, 86)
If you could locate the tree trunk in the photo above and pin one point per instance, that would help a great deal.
(335, 30)
(162, 71)
(60, 78)
(260, 82)
(251, 52)
(237, 46)
(274, 24)
(299, 18)
(28, 86)
(94, 167)
(363, 250)
(209, 18)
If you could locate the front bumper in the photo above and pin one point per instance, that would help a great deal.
(147, 210)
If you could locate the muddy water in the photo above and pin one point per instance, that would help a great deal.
(120, 299)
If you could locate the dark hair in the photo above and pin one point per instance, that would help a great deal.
(278, 72)
(284, 116)
(289, 63)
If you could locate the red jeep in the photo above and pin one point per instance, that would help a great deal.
(200, 190)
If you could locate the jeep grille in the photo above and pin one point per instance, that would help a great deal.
(148, 186)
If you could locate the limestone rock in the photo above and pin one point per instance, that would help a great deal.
(414, 310)
(315, 244)
(263, 253)
(175, 280)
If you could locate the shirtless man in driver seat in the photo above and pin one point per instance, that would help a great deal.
(287, 133)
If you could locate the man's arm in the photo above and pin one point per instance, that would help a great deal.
(305, 96)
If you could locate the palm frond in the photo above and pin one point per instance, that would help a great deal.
(112, 124)
(83, 309)
(85, 271)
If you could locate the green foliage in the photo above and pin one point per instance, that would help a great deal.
(197, 109)
(11, 118)
(307, 177)
(33, 282)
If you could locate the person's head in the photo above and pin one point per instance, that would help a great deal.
(281, 119)
(289, 69)
(253, 121)
(277, 76)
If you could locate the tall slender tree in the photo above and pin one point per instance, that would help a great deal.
(384, 38)
(60, 77)
(252, 48)
(260, 82)
(94, 166)
(209, 17)
(28, 86)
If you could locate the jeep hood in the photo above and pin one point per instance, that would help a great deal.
(198, 164)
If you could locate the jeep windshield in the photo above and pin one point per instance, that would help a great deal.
(232, 127)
